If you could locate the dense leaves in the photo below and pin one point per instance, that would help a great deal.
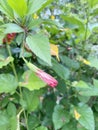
(86, 117)
(48, 65)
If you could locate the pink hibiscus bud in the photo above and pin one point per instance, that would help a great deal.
(42, 75)
(47, 78)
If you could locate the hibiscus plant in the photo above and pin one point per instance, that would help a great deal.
(48, 65)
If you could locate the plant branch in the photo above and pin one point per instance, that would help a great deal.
(12, 63)
(86, 31)
(23, 45)
(26, 119)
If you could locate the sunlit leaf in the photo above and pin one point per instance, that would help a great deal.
(12, 28)
(31, 81)
(39, 44)
(5, 61)
(92, 3)
(6, 9)
(35, 5)
(20, 7)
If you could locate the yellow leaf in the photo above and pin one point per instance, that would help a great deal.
(54, 51)
(52, 17)
(77, 115)
(83, 60)
(35, 16)
(86, 62)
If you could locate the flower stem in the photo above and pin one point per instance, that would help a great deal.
(12, 64)
(23, 45)
(86, 31)
(26, 119)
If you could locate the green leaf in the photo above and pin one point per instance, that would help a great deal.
(49, 103)
(2, 35)
(45, 5)
(11, 110)
(7, 121)
(86, 117)
(13, 123)
(35, 5)
(19, 38)
(47, 121)
(70, 126)
(52, 23)
(74, 20)
(20, 7)
(6, 9)
(80, 84)
(12, 28)
(30, 100)
(34, 23)
(96, 119)
(92, 91)
(39, 44)
(4, 121)
(8, 83)
(31, 81)
(70, 63)
(41, 128)
(95, 82)
(92, 3)
(80, 127)
(5, 61)
(4, 102)
(33, 121)
(60, 117)
(93, 62)
(95, 11)
(3, 53)
(62, 71)
(84, 89)
(83, 99)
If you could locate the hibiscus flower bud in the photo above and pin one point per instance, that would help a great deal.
(42, 75)
(47, 78)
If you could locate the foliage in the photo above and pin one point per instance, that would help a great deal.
(48, 65)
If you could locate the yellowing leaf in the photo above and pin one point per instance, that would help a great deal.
(54, 50)
(52, 17)
(83, 60)
(35, 16)
(86, 62)
(77, 115)
(5, 61)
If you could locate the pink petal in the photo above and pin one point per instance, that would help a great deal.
(47, 78)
